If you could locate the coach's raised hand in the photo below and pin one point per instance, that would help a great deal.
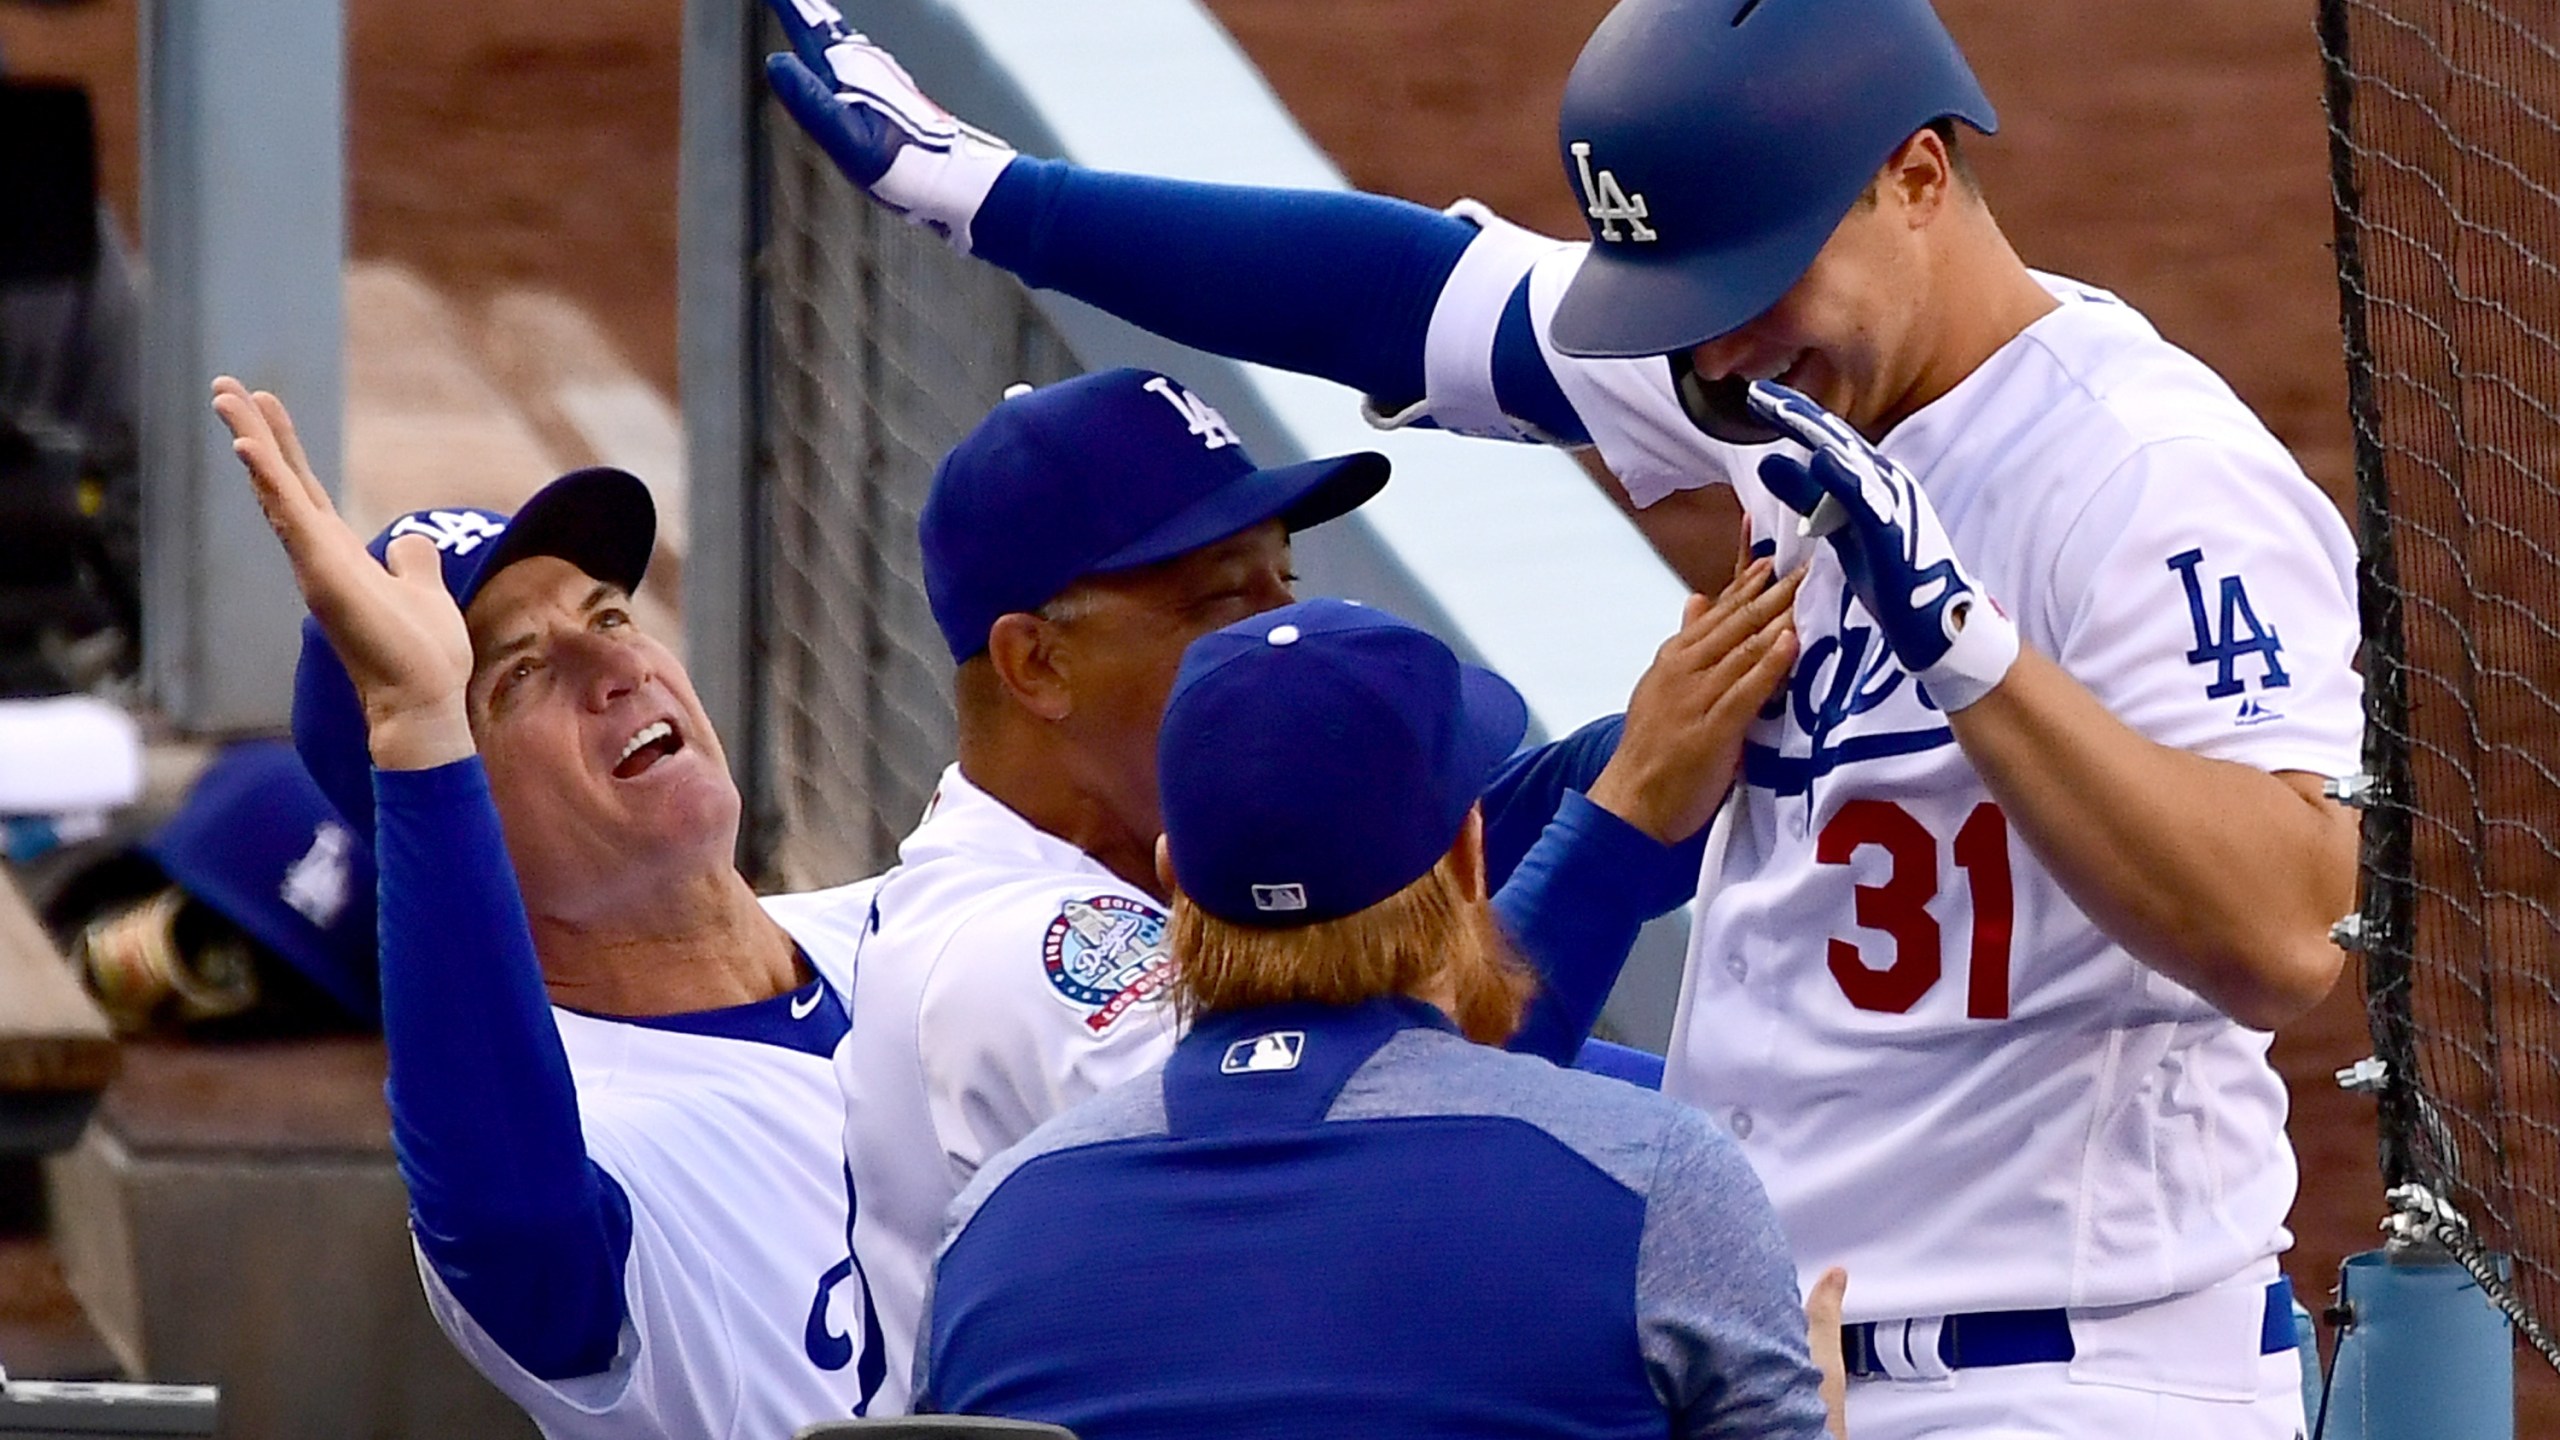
(883, 132)
(398, 631)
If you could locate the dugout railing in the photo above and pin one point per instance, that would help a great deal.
(831, 354)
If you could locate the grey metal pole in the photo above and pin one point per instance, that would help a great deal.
(715, 241)
(244, 228)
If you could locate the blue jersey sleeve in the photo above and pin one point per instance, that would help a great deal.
(1574, 883)
(1320, 282)
(523, 1228)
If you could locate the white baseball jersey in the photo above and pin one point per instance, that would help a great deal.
(1950, 1080)
(746, 1314)
(1002, 976)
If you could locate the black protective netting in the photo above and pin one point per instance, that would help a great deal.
(2445, 126)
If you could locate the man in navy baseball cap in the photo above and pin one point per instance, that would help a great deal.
(1074, 543)
(1106, 472)
(587, 1009)
(1017, 959)
(600, 520)
(1444, 1239)
(1321, 758)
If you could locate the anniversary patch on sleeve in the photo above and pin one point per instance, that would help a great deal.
(1106, 955)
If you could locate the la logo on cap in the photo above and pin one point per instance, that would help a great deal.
(458, 531)
(1279, 898)
(316, 885)
(1263, 1054)
(1198, 415)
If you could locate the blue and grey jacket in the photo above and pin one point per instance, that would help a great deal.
(1315, 1221)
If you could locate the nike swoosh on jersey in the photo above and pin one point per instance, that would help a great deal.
(803, 1012)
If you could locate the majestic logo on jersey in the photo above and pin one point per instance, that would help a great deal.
(1105, 956)
(1279, 1050)
(1197, 414)
(2240, 636)
(316, 885)
(2254, 711)
(1840, 679)
(1608, 202)
(457, 532)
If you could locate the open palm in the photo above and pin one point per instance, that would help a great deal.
(398, 631)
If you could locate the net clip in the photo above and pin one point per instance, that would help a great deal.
(2365, 1077)
(2358, 790)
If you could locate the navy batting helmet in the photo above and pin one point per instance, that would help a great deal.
(1716, 144)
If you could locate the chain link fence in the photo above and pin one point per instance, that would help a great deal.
(2446, 161)
(880, 349)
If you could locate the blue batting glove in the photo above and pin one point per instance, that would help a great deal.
(813, 27)
(1933, 613)
(881, 130)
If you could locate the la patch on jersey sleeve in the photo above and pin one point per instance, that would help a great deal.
(2215, 611)
(1105, 955)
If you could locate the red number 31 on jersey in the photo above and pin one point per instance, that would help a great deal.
(1899, 908)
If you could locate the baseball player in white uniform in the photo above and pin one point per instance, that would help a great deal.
(726, 1131)
(2033, 850)
(612, 1088)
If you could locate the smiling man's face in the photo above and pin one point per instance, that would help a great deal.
(607, 777)
(1856, 332)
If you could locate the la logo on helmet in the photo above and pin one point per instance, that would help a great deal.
(1609, 201)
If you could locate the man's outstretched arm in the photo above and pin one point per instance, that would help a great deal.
(1342, 286)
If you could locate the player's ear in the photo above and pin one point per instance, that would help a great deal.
(1021, 649)
(1164, 865)
(1921, 176)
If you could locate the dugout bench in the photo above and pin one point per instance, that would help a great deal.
(224, 1214)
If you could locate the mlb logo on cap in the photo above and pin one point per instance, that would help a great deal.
(1319, 758)
(1279, 897)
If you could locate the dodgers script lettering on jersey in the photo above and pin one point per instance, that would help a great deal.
(1887, 995)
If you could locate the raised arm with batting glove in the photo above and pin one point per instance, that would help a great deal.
(1950, 635)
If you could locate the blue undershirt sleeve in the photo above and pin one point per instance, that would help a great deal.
(1640, 1068)
(524, 1229)
(1327, 283)
(1523, 795)
(1574, 883)
(1526, 388)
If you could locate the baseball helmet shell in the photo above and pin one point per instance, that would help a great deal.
(1738, 133)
